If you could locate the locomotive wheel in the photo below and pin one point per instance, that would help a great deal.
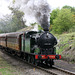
(29, 59)
(26, 57)
(36, 63)
(51, 65)
(32, 60)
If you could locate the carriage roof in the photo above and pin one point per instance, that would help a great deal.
(17, 34)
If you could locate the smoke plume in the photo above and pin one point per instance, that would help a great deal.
(35, 11)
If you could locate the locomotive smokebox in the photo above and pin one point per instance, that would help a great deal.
(46, 40)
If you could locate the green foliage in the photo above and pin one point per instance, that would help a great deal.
(33, 24)
(53, 15)
(66, 46)
(5, 24)
(72, 29)
(64, 21)
(69, 7)
(12, 23)
(40, 28)
(6, 68)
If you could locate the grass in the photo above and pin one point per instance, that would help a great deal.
(65, 41)
(66, 46)
(6, 69)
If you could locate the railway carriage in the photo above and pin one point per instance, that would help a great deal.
(34, 47)
(3, 40)
(13, 41)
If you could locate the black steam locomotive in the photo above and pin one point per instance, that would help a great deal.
(34, 47)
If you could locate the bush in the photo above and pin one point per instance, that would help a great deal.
(63, 22)
(72, 29)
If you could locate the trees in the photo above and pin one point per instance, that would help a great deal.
(17, 19)
(13, 22)
(5, 24)
(69, 7)
(54, 15)
(64, 21)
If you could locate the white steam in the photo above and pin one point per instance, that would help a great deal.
(35, 11)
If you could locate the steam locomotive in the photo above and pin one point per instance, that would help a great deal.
(32, 46)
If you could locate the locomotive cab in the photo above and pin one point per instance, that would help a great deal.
(27, 42)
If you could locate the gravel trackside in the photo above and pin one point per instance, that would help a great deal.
(12, 66)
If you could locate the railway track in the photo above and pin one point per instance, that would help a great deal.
(57, 71)
(53, 71)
